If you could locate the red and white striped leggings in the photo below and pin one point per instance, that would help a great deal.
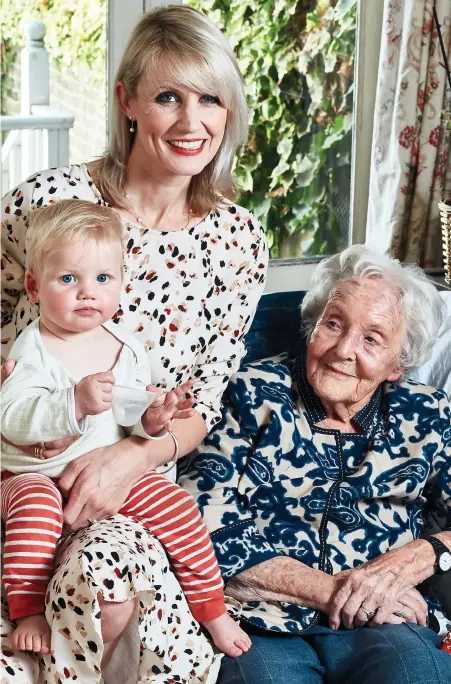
(32, 511)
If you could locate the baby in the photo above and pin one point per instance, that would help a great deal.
(67, 362)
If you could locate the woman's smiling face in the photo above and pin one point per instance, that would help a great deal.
(179, 130)
(356, 344)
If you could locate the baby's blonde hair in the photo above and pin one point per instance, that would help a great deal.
(68, 222)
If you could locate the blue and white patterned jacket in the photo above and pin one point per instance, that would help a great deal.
(270, 483)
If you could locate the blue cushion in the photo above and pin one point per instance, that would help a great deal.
(276, 327)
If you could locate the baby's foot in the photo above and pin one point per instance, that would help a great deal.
(32, 634)
(228, 635)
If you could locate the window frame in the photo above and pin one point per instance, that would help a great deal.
(292, 274)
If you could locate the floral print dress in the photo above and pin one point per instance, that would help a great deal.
(190, 297)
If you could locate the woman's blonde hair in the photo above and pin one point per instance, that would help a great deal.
(68, 222)
(178, 46)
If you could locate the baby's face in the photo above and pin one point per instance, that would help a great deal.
(79, 286)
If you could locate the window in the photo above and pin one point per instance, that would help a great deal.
(297, 59)
(317, 220)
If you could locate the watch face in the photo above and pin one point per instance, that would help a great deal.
(444, 562)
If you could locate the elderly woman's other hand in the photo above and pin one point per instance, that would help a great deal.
(49, 449)
(410, 608)
(372, 590)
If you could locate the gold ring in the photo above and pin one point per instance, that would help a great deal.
(39, 450)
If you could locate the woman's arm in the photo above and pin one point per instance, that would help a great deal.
(16, 207)
(224, 347)
(98, 483)
(288, 580)
(285, 579)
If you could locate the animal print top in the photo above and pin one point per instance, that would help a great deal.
(189, 295)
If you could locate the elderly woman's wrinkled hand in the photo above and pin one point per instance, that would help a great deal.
(372, 590)
(410, 608)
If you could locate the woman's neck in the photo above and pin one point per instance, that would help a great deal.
(160, 202)
(340, 416)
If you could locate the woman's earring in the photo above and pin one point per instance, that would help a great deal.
(132, 125)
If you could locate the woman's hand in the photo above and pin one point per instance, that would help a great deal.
(6, 369)
(49, 449)
(98, 483)
(375, 588)
(410, 608)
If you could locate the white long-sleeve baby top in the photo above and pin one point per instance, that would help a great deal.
(38, 403)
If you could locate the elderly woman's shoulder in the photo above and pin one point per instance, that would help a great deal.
(412, 393)
(255, 376)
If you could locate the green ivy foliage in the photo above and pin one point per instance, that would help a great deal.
(75, 32)
(297, 59)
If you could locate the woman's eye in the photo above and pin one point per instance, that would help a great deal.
(103, 278)
(67, 278)
(167, 96)
(371, 340)
(333, 325)
(210, 99)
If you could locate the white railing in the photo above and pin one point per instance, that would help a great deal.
(38, 138)
(35, 141)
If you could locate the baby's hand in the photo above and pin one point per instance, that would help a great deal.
(176, 404)
(93, 394)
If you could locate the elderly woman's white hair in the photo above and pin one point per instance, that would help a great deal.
(420, 303)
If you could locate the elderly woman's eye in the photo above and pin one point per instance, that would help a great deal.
(371, 340)
(167, 96)
(333, 325)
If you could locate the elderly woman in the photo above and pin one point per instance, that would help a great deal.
(195, 266)
(316, 483)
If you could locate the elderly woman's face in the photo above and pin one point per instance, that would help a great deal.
(179, 130)
(356, 343)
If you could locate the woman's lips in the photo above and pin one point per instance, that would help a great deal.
(186, 148)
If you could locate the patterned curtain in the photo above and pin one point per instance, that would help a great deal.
(411, 160)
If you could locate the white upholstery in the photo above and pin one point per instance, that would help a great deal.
(437, 370)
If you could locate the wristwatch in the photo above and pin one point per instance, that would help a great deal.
(442, 553)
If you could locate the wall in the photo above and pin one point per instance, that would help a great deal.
(72, 92)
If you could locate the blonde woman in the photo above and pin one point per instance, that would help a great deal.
(195, 266)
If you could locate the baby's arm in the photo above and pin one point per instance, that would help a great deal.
(34, 409)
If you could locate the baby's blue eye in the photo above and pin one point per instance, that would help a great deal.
(67, 278)
(103, 278)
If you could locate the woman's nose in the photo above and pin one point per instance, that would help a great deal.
(346, 346)
(189, 117)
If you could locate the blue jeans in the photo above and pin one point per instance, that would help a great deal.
(390, 654)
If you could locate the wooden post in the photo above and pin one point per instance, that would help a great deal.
(34, 68)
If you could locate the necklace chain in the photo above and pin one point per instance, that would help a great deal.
(138, 218)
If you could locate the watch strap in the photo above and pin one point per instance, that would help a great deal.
(439, 548)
